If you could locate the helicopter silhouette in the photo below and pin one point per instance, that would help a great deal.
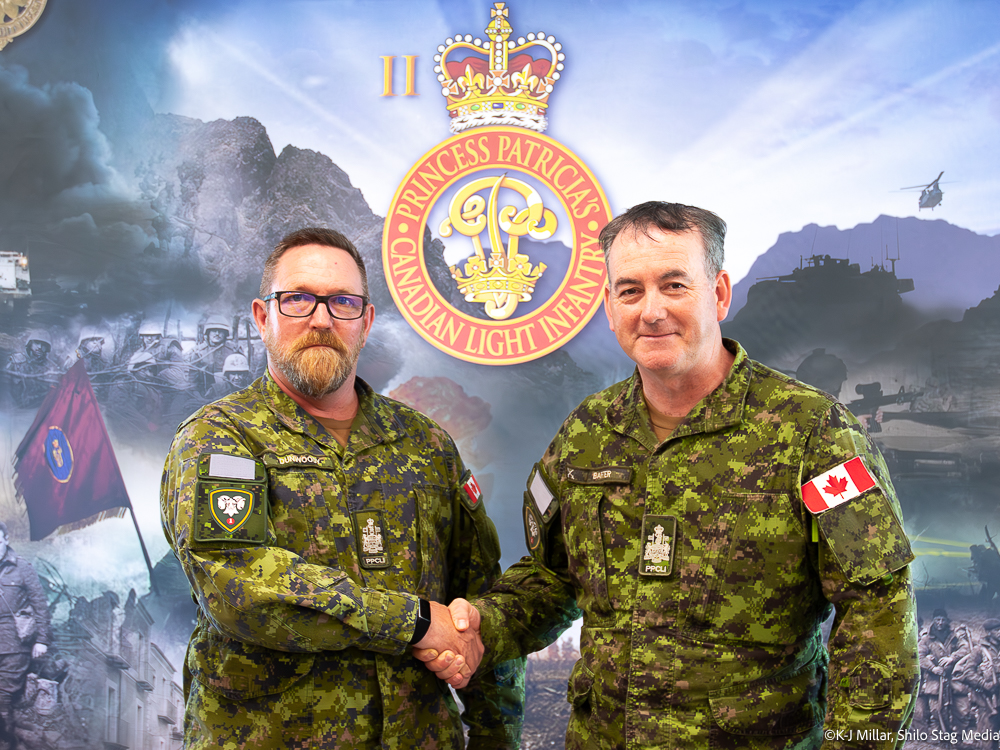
(930, 194)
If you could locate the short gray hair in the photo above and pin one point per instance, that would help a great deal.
(671, 217)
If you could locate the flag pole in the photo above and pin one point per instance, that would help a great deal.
(145, 554)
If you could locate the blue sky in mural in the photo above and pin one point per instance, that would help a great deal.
(774, 114)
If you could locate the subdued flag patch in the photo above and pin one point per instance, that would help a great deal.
(838, 485)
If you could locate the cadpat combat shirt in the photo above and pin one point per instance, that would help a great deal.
(703, 578)
(307, 560)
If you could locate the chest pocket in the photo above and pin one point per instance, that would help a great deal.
(434, 527)
(584, 540)
(765, 588)
(308, 512)
(415, 529)
(730, 553)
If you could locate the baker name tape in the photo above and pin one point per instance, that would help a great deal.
(837, 486)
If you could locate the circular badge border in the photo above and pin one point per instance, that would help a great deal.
(17, 26)
(529, 319)
(45, 450)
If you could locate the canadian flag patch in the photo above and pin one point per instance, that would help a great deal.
(472, 490)
(838, 485)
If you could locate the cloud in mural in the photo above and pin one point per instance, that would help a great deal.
(55, 156)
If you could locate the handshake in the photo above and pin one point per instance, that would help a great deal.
(452, 648)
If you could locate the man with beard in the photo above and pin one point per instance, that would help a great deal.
(940, 650)
(323, 528)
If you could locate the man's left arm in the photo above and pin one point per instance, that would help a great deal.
(862, 555)
(40, 607)
(494, 700)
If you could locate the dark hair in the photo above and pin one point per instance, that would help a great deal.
(671, 217)
(311, 236)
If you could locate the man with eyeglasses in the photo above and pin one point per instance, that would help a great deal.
(324, 528)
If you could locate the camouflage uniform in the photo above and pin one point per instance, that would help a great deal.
(715, 640)
(305, 618)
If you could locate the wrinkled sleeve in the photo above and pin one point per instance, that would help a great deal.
(534, 601)
(862, 556)
(494, 700)
(39, 603)
(263, 594)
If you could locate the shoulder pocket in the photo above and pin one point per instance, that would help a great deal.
(240, 671)
(865, 537)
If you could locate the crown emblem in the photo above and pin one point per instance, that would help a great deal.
(497, 81)
(507, 278)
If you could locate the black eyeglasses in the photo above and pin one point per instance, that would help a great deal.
(303, 304)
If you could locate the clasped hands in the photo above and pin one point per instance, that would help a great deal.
(452, 648)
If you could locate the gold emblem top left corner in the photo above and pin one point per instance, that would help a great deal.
(17, 16)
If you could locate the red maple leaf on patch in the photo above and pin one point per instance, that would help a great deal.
(836, 486)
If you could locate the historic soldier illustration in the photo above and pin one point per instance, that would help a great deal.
(776, 506)
(323, 527)
(235, 375)
(25, 629)
(940, 649)
(209, 356)
(32, 373)
(974, 680)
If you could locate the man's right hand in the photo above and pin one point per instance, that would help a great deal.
(454, 665)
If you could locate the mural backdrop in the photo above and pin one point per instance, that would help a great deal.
(153, 153)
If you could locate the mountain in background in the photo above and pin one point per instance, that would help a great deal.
(952, 268)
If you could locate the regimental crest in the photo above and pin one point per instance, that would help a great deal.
(498, 192)
(495, 81)
(657, 547)
(659, 540)
(59, 455)
(371, 539)
(532, 529)
(17, 16)
(231, 507)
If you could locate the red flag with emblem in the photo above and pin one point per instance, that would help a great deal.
(65, 467)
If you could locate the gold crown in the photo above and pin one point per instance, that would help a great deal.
(509, 279)
(498, 82)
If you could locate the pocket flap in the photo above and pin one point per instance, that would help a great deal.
(772, 706)
(581, 682)
(239, 671)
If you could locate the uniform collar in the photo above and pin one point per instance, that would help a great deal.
(720, 409)
(374, 423)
